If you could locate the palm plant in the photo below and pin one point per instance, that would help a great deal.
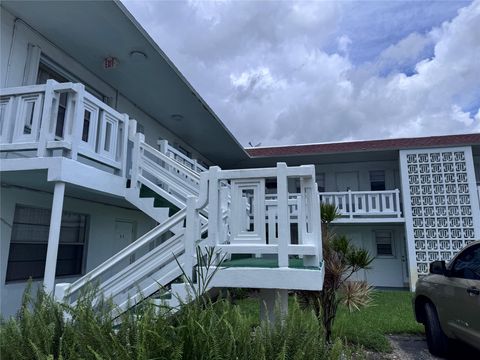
(341, 261)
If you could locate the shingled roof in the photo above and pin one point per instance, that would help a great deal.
(367, 145)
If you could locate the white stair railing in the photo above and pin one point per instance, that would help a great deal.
(161, 173)
(249, 210)
(137, 271)
(177, 155)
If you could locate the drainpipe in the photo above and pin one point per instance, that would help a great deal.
(14, 32)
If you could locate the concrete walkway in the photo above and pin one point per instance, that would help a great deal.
(410, 347)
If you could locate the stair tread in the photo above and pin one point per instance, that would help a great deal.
(159, 201)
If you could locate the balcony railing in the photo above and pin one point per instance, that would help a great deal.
(62, 119)
(365, 205)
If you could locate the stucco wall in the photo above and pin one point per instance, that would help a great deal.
(100, 240)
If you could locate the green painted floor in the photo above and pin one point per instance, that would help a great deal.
(265, 263)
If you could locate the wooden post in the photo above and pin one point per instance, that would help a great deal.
(283, 228)
(54, 237)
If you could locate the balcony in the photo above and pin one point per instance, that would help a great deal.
(365, 206)
(62, 119)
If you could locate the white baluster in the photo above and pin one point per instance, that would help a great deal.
(284, 230)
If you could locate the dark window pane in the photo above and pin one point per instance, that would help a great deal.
(377, 180)
(384, 249)
(86, 125)
(28, 245)
(467, 265)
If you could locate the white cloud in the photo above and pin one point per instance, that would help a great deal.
(265, 68)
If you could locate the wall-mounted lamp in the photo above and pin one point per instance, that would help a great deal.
(138, 56)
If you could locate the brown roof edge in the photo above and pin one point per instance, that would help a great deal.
(366, 145)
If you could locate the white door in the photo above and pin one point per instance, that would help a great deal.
(347, 180)
(124, 235)
(387, 267)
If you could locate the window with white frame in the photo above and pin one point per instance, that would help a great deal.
(384, 243)
(28, 245)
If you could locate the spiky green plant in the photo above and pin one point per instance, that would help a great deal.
(341, 260)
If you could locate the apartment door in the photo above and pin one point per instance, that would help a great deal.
(387, 267)
(124, 236)
(347, 180)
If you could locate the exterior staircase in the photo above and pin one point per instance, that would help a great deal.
(222, 209)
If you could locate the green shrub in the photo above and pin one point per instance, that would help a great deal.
(44, 329)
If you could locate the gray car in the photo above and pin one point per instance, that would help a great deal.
(447, 301)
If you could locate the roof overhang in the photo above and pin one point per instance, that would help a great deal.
(92, 31)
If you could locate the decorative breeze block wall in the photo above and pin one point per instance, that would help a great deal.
(440, 203)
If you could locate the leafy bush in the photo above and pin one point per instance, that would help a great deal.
(45, 329)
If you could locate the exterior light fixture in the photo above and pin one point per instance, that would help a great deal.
(138, 56)
(176, 117)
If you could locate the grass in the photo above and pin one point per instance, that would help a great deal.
(390, 313)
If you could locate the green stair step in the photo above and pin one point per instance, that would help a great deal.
(159, 201)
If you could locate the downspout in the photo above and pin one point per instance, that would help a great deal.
(11, 51)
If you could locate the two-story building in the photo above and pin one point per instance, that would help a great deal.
(104, 148)
(408, 201)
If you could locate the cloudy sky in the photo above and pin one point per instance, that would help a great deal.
(289, 72)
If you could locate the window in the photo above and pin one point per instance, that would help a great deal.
(28, 245)
(48, 69)
(384, 243)
(320, 181)
(44, 74)
(377, 180)
(467, 264)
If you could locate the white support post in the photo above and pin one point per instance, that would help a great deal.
(163, 144)
(136, 155)
(350, 204)
(283, 227)
(124, 145)
(132, 129)
(270, 300)
(54, 237)
(46, 118)
(190, 236)
(214, 212)
(77, 120)
(60, 291)
(397, 203)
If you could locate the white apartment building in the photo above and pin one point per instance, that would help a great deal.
(113, 168)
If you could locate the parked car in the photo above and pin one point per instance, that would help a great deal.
(447, 301)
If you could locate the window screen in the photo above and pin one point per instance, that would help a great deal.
(377, 180)
(384, 243)
(28, 245)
